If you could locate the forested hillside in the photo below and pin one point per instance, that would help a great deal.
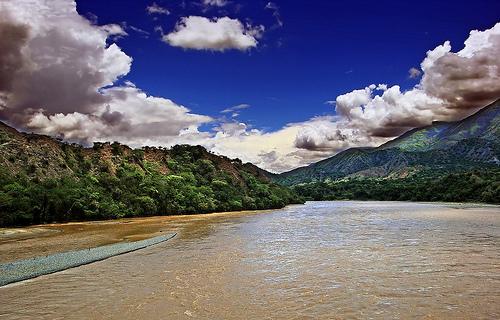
(45, 180)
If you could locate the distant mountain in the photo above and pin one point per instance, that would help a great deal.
(442, 147)
(45, 180)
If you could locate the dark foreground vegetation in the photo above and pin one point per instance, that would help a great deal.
(470, 186)
(43, 180)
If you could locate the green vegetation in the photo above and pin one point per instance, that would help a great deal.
(470, 186)
(186, 180)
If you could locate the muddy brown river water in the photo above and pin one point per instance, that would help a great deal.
(321, 260)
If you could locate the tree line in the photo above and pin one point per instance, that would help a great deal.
(469, 186)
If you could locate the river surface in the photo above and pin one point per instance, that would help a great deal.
(321, 260)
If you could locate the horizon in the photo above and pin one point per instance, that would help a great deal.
(131, 85)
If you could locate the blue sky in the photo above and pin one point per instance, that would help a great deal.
(323, 49)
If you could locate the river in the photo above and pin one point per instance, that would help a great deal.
(321, 260)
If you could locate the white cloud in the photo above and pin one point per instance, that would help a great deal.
(216, 34)
(58, 75)
(131, 117)
(149, 117)
(139, 30)
(271, 6)
(236, 108)
(154, 8)
(469, 78)
(238, 140)
(215, 3)
(63, 60)
(435, 54)
(385, 115)
(382, 87)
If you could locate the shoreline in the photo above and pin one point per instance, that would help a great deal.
(6, 232)
(46, 239)
(464, 205)
(103, 221)
(21, 270)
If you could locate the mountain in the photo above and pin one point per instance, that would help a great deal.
(441, 147)
(46, 180)
(483, 125)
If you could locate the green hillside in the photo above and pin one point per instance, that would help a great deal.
(45, 180)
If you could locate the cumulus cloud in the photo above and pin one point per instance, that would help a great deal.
(321, 134)
(57, 77)
(216, 34)
(149, 117)
(130, 116)
(469, 78)
(64, 60)
(453, 85)
(237, 139)
(385, 114)
(154, 8)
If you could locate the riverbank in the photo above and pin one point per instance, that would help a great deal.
(31, 268)
(42, 240)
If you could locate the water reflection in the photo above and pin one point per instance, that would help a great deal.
(322, 260)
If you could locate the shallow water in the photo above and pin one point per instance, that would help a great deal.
(322, 260)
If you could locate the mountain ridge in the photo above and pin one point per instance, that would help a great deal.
(447, 146)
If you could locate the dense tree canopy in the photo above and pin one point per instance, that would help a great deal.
(135, 187)
(468, 186)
